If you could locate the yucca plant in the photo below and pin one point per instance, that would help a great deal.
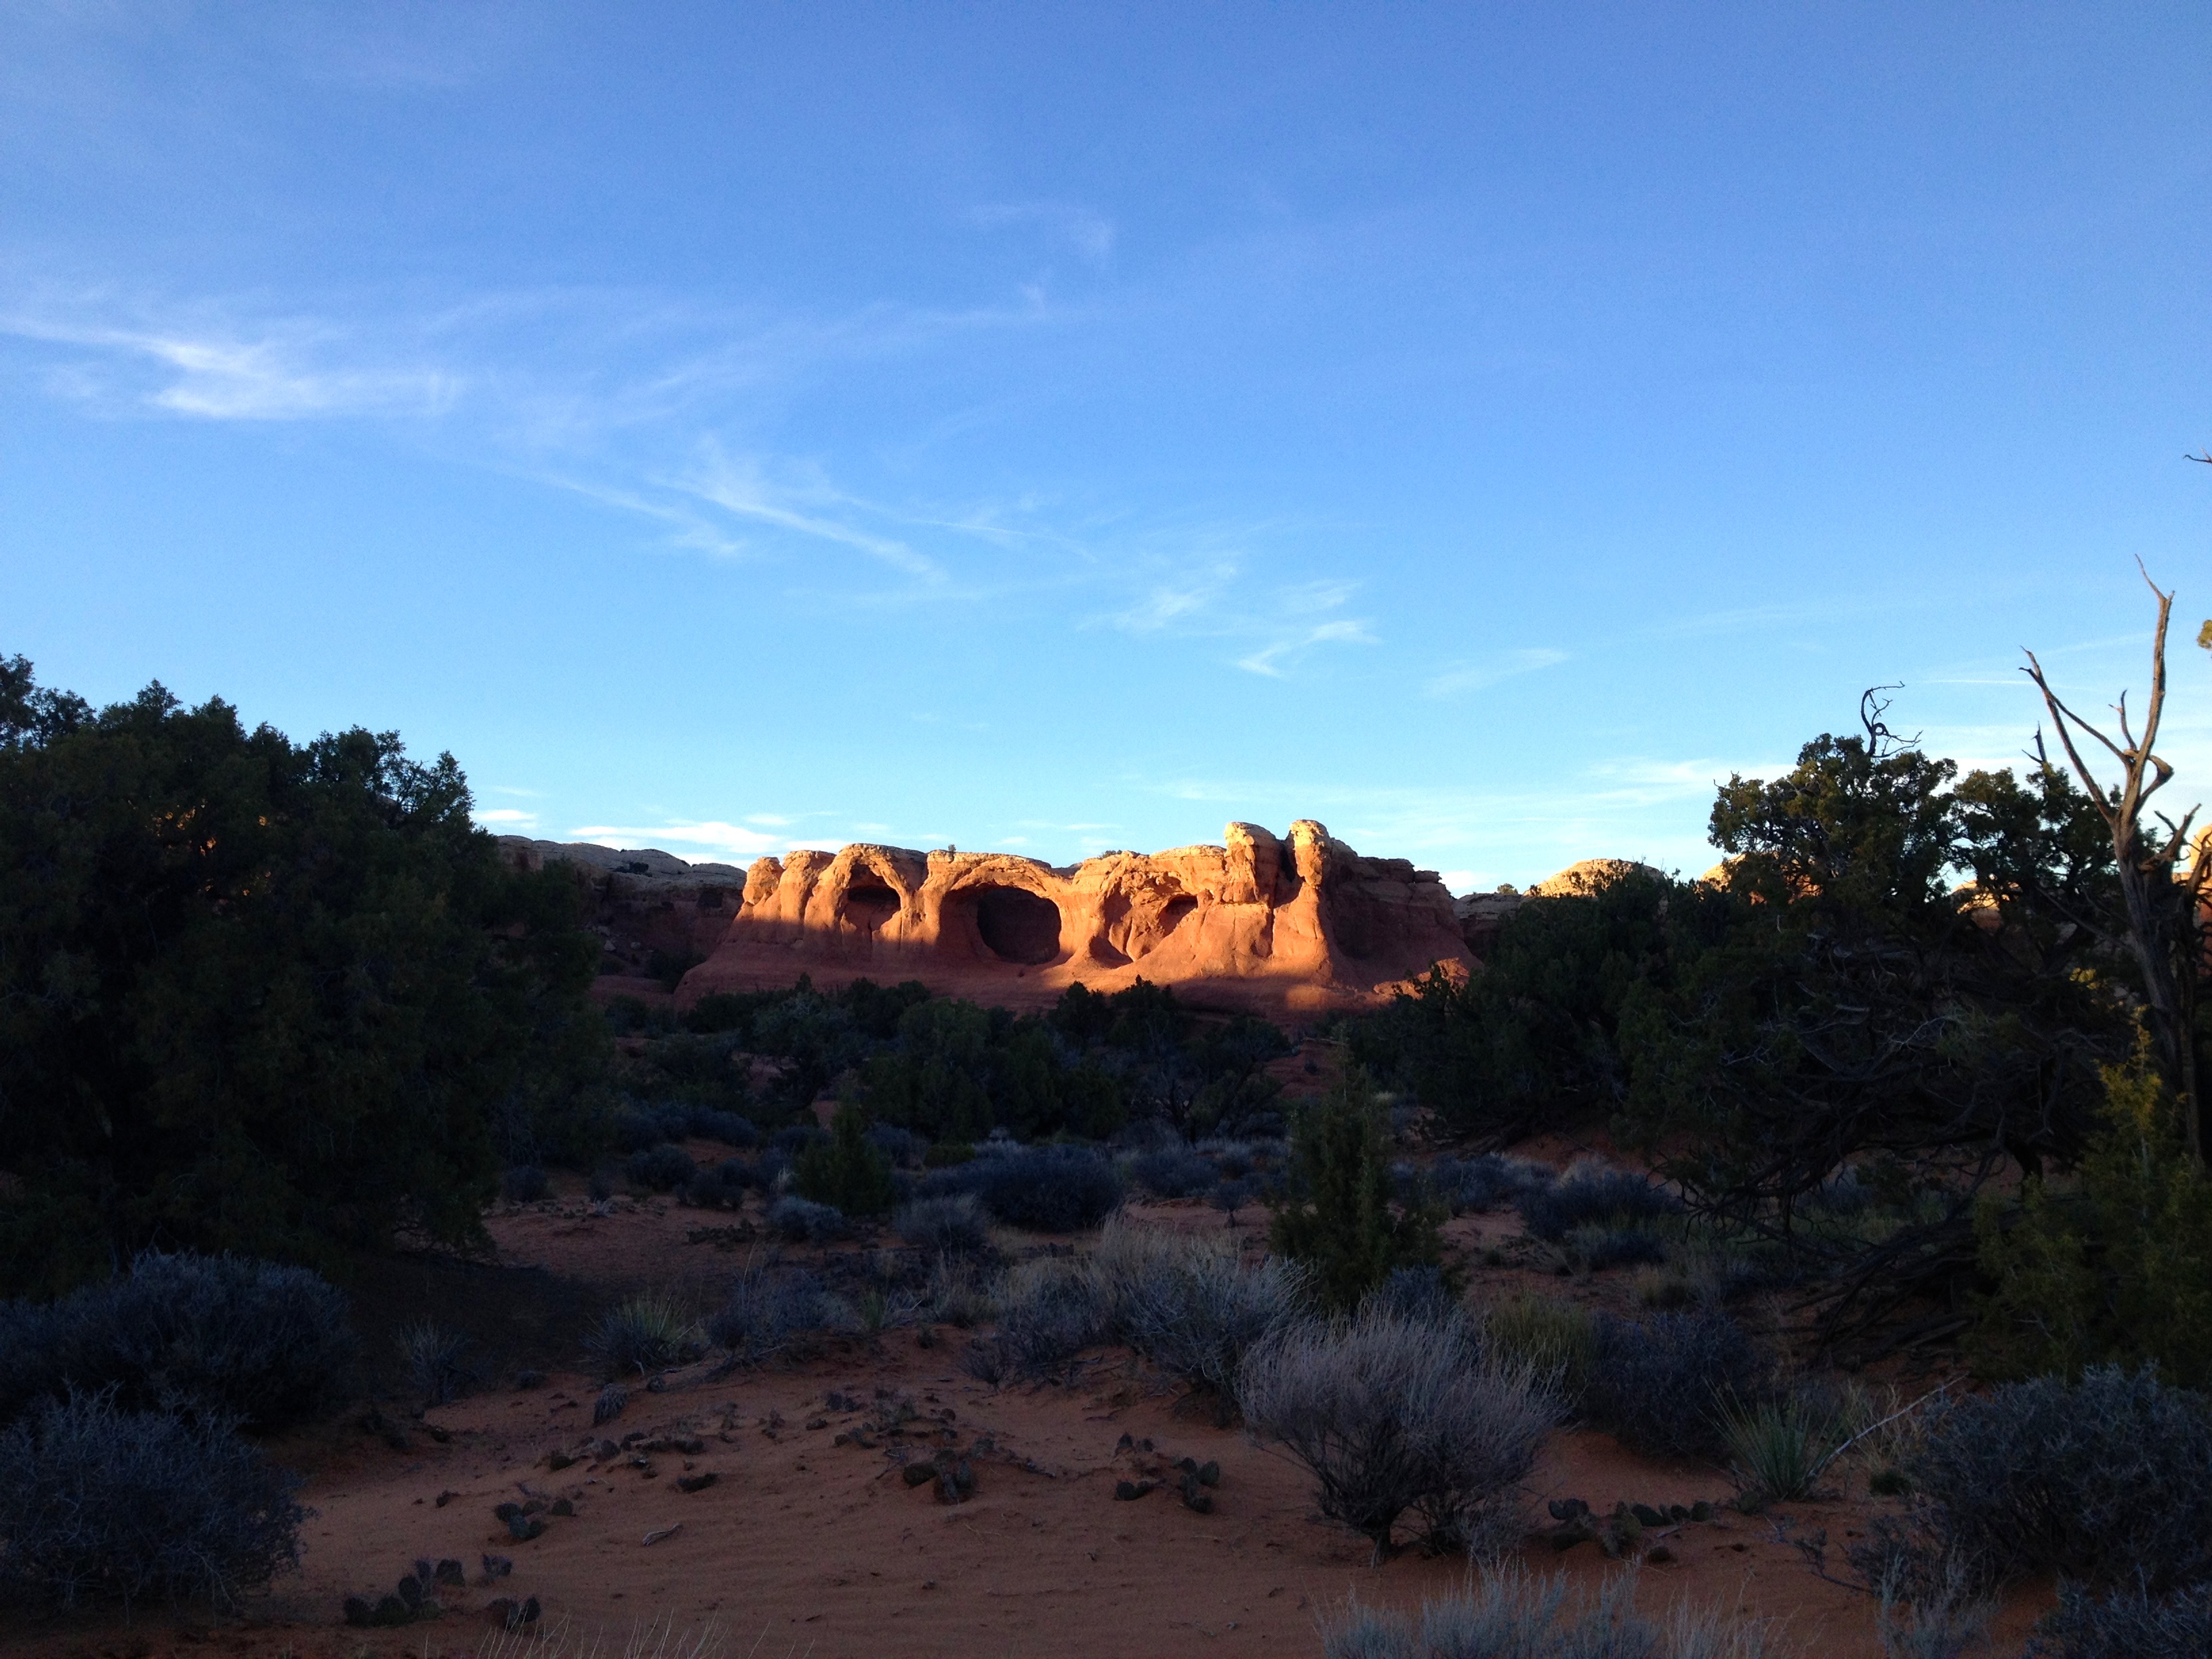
(1777, 1448)
(647, 1333)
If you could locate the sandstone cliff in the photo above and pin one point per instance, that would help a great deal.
(1299, 923)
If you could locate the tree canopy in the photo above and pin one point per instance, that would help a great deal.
(259, 995)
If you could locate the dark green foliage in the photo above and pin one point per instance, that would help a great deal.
(524, 1183)
(2129, 1624)
(768, 1309)
(2107, 1480)
(262, 996)
(100, 1505)
(1534, 1037)
(1046, 1190)
(1659, 1385)
(246, 1341)
(848, 1170)
(722, 1188)
(1853, 1002)
(2115, 1266)
(1341, 1226)
(659, 1169)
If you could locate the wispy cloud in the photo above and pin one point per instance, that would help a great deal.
(739, 488)
(1274, 659)
(509, 818)
(288, 372)
(1472, 675)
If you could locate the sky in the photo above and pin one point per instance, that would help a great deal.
(1057, 428)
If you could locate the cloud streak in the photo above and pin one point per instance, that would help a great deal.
(1475, 676)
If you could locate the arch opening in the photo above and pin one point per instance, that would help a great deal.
(1017, 926)
(870, 904)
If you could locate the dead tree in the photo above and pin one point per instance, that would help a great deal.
(2161, 900)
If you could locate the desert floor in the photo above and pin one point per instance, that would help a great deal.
(808, 1541)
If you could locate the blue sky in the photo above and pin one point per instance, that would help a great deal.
(1069, 428)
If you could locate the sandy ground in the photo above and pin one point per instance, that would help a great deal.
(808, 1541)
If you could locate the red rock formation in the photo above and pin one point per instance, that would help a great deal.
(1299, 924)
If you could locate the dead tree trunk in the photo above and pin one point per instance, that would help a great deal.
(2160, 899)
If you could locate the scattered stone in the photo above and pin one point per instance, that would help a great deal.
(558, 1461)
(524, 1527)
(664, 1532)
(817, 1422)
(443, 1436)
(1124, 1443)
(507, 1614)
(496, 1566)
(1209, 1474)
(445, 1498)
(698, 1482)
(450, 1572)
(1646, 1515)
(527, 1380)
(1195, 1497)
(1567, 1508)
(1127, 1492)
(561, 1506)
(358, 1610)
(507, 1512)
(920, 1474)
(1660, 1553)
(1701, 1511)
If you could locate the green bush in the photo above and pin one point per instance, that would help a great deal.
(848, 1170)
(2115, 1268)
(1342, 1228)
(275, 998)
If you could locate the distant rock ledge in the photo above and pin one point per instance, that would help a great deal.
(1300, 923)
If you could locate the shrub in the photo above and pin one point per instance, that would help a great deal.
(1557, 1340)
(1658, 1385)
(647, 1333)
(1475, 1184)
(767, 1309)
(1507, 1614)
(1391, 1416)
(2130, 1624)
(1778, 1449)
(1415, 1293)
(1593, 1249)
(102, 1504)
(722, 1188)
(524, 1183)
(902, 1146)
(659, 1169)
(1046, 1189)
(2103, 1480)
(1188, 1304)
(1173, 1172)
(2118, 1269)
(1344, 1231)
(802, 1221)
(269, 1345)
(795, 1138)
(949, 1226)
(1592, 1194)
(1049, 1312)
(848, 1170)
(434, 1361)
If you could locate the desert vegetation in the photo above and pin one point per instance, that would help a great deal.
(1856, 1189)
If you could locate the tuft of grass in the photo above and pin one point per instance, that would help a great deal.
(647, 1333)
(436, 1362)
(1777, 1448)
(1508, 1614)
(1556, 1339)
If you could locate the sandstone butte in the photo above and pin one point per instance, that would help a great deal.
(1301, 923)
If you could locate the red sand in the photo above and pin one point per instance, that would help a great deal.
(804, 1546)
